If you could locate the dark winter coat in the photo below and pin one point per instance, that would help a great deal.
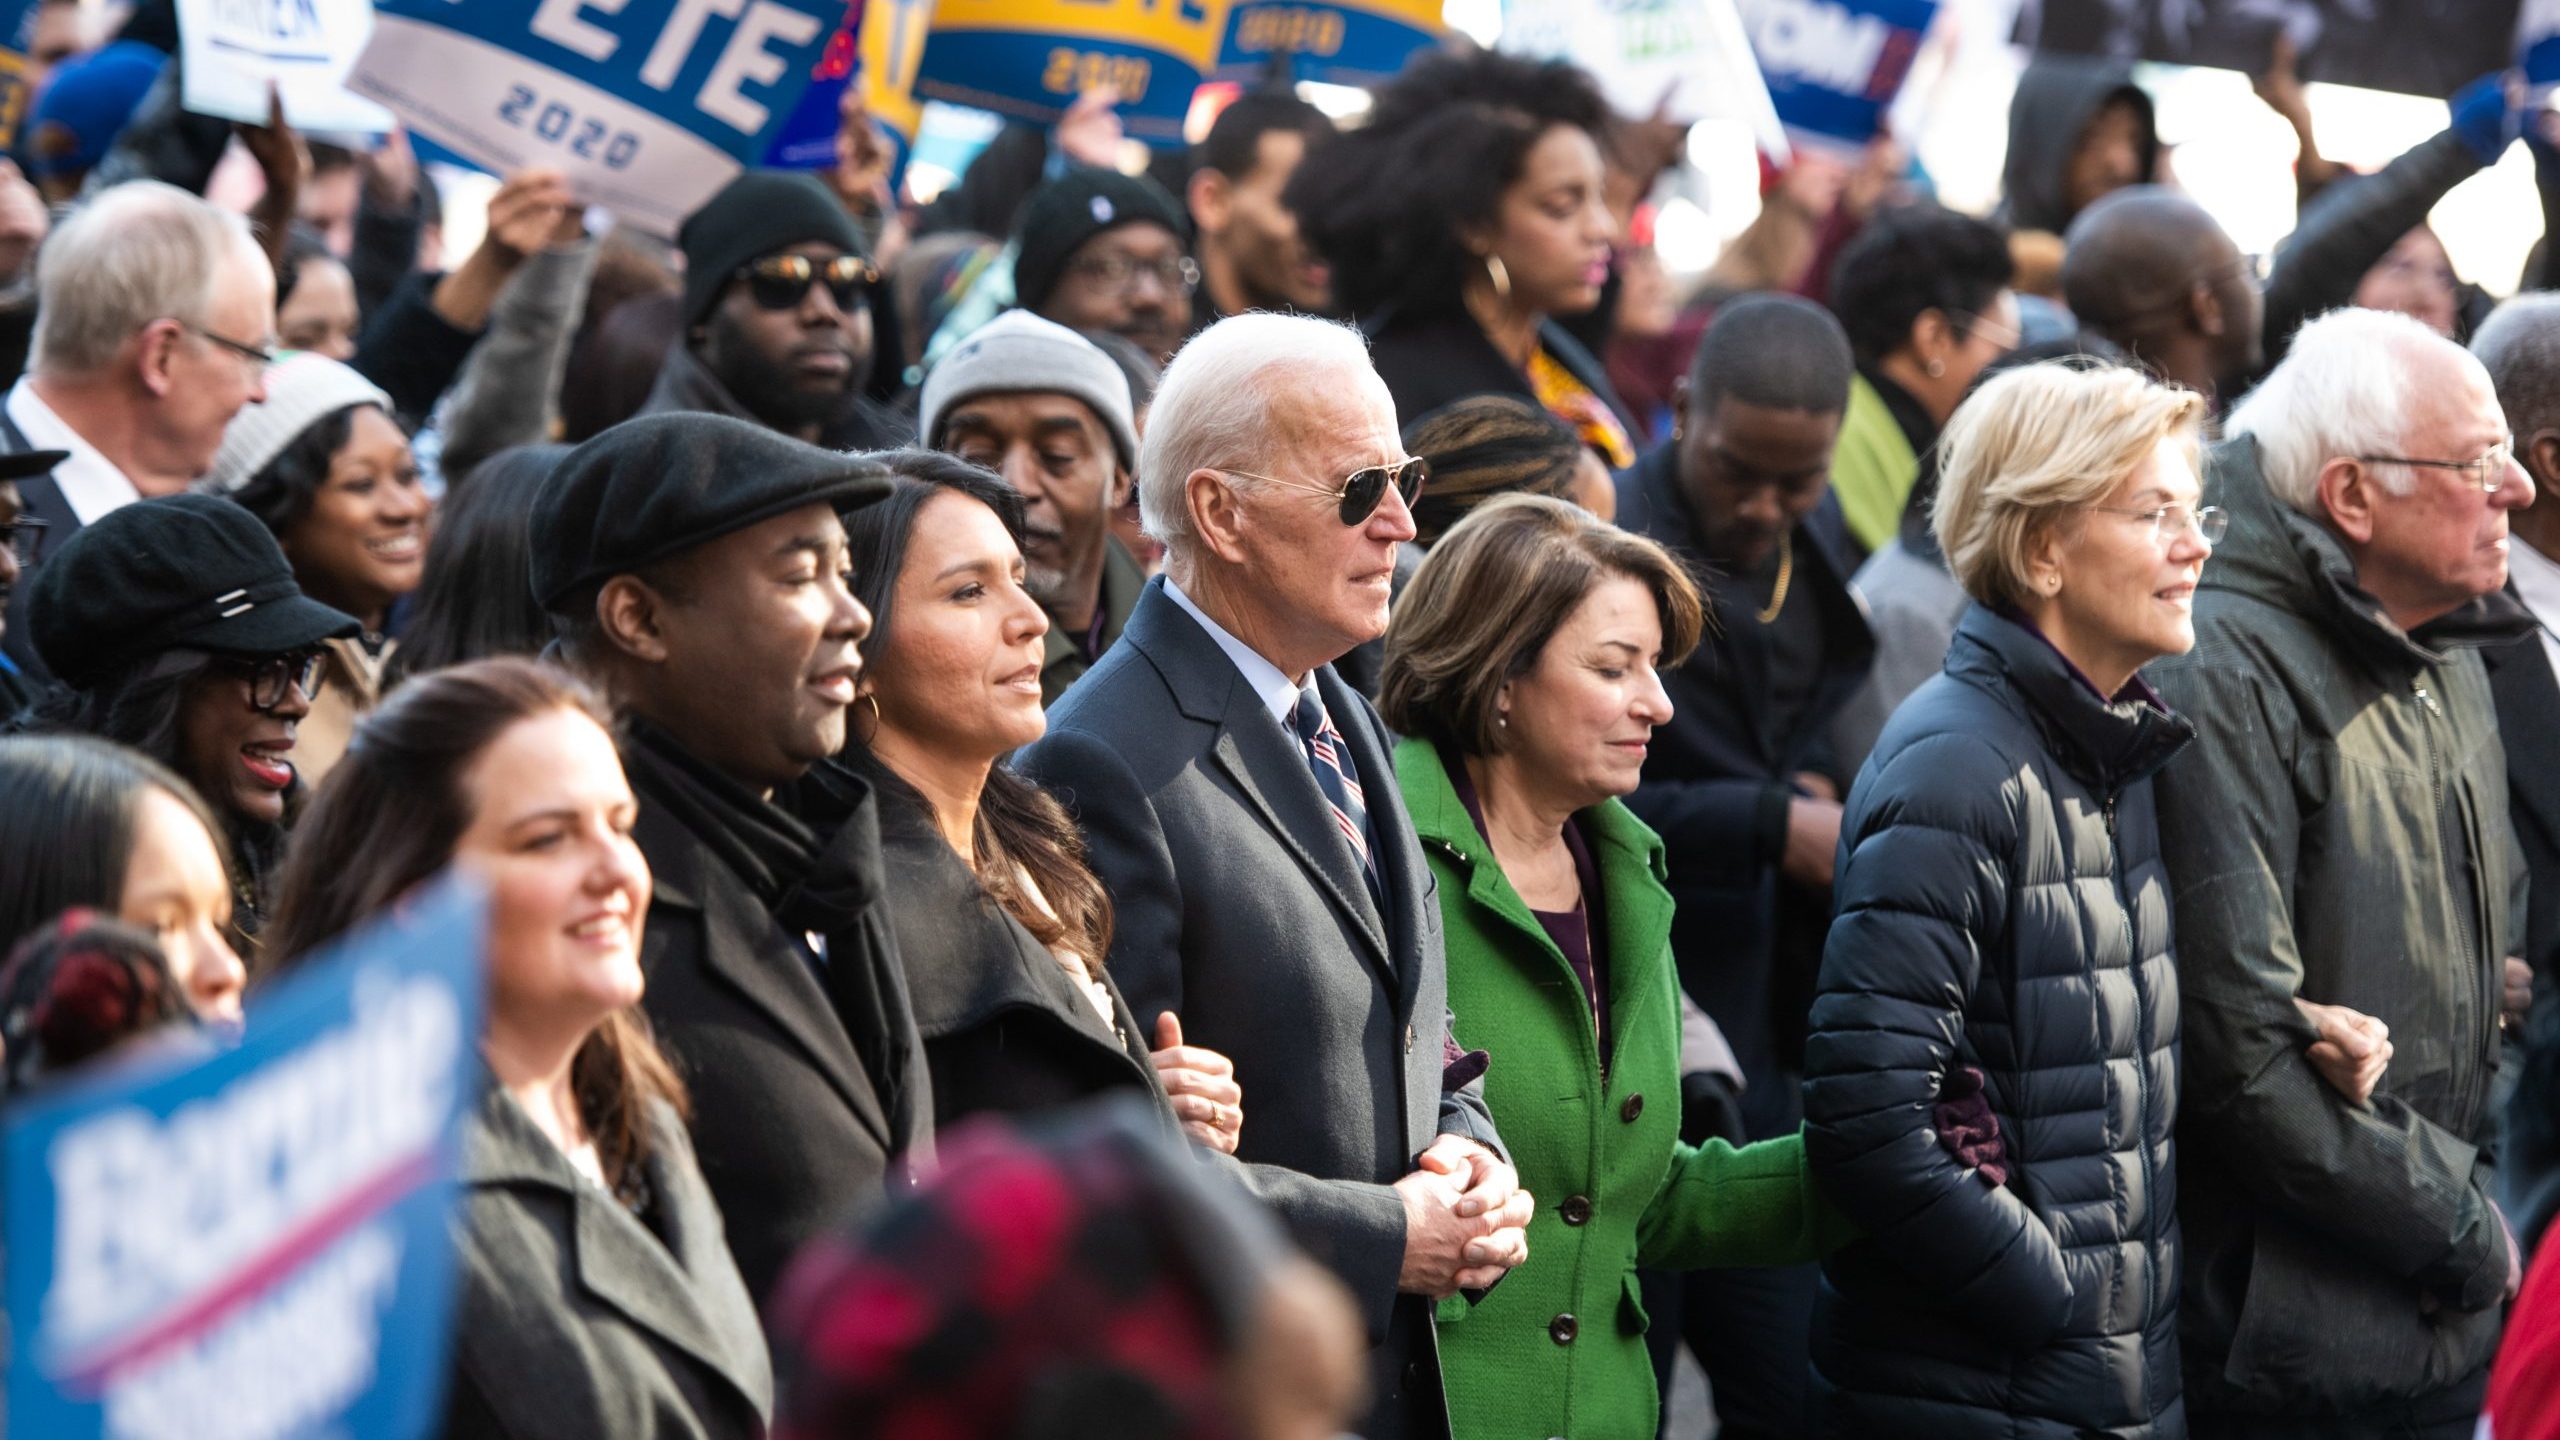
(1005, 1031)
(2002, 906)
(2338, 834)
(1719, 779)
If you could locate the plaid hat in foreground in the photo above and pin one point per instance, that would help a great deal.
(660, 485)
(1074, 1275)
(303, 388)
(1017, 353)
(183, 572)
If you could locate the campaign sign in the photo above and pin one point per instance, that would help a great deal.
(17, 37)
(254, 1242)
(893, 35)
(1834, 66)
(1031, 58)
(649, 106)
(1687, 58)
(232, 50)
(808, 138)
(1348, 42)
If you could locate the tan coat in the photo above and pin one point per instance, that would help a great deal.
(350, 686)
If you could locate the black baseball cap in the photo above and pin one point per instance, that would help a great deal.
(183, 572)
(657, 486)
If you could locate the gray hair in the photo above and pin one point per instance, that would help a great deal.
(1215, 404)
(2520, 346)
(138, 252)
(2343, 389)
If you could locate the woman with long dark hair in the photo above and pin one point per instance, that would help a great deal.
(579, 1180)
(472, 602)
(1001, 925)
(1461, 221)
(94, 826)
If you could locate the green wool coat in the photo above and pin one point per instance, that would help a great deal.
(1557, 1349)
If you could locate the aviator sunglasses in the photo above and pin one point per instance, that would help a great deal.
(1361, 490)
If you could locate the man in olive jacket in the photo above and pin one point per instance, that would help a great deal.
(2339, 833)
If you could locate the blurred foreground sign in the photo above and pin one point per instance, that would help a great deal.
(253, 1243)
(650, 106)
(1030, 59)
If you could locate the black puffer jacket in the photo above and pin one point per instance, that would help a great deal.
(2002, 905)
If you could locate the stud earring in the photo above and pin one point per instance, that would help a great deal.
(1937, 369)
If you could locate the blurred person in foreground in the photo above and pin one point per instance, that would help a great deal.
(1236, 798)
(1139, 1297)
(597, 1295)
(2340, 833)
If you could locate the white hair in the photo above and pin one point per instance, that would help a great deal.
(1214, 406)
(2343, 390)
(137, 252)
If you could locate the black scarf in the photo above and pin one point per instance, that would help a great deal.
(827, 883)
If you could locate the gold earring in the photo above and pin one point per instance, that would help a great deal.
(872, 696)
(1501, 277)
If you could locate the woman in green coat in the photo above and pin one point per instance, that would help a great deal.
(1521, 667)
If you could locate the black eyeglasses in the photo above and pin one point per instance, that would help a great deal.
(268, 677)
(258, 355)
(1361, 490)
(1119, 274)
(781, 282)
(25, 538)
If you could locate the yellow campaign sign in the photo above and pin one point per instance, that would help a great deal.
(1032, 58)
(893, 33)
(1340, 42)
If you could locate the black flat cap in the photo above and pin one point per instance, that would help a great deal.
(660, 485)
(28, 464)
(184, 572)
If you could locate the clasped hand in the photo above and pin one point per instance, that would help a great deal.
(1466, 1219)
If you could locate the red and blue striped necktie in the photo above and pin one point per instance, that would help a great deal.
(1332, 767)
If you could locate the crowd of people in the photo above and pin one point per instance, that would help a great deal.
(1278, 797)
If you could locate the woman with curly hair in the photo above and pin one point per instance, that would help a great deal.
(1460, 221)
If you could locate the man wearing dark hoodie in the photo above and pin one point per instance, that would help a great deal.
(777, 316)
(2078, 128)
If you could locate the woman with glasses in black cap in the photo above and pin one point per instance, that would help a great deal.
(175, 626)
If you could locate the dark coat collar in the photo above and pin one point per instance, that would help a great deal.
(2106, 744)
(669, 1280)
(1433, 359)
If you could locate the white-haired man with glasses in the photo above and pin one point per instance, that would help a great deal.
(155, 319)
(2339, 833)
(1238, 800)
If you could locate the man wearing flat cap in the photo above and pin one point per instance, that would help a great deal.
(777, 316)
(697, 570)
(1042, 406)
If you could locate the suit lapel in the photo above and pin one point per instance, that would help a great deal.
(784, 988)
(1268, 768)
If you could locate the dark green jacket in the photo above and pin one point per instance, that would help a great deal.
(1062, 663)
(1558, 1347)
(2338, 832)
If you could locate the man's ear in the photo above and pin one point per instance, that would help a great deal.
(1123, 486)
(2541, 456)
(1217, 512)
(2205, 308)
(156, 355)
(2349, 493)
(632, 617)
(1211, 199)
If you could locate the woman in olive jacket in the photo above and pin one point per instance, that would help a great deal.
(1522, 665)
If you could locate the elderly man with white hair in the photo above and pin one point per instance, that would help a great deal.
(2339, 833)
(155, 319)
(1238, 801)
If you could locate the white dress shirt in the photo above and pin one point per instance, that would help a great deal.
(90, 483)
(2537, 578)
(1279, 693)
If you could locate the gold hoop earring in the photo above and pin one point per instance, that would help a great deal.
(873, 696)
(1500, 276)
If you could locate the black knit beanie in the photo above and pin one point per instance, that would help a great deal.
(757, 214)
(1066, 212)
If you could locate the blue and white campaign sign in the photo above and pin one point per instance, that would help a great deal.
(1834, 66)
(1338, 42)
(255, 1243)
(649, 106)
(1030, 59)
(808, 138)
(232, 50)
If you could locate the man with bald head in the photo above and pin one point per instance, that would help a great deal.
(2154, 274)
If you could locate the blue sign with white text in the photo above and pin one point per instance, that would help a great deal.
(650, 106)
(254, 1242)
(1834, 66)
